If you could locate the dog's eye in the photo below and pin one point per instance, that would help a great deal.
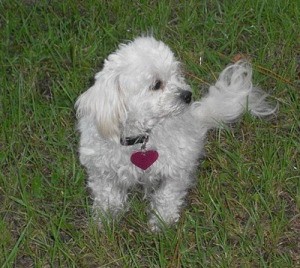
(158, 85)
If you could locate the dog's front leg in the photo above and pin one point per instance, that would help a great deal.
(109, 199)
(166, 203)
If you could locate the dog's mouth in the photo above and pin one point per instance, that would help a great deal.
(171, 105)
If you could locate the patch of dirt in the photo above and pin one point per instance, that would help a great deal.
(24, 261)
(44, 86)
(290, 242)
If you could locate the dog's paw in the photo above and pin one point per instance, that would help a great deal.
(156, 223)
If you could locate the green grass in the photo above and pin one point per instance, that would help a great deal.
(244, 211)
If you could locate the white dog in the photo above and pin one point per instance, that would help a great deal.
(139, 127)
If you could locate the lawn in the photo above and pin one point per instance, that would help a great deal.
(244, 211)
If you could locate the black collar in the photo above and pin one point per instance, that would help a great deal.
(128, 141)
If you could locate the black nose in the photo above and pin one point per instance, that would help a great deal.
(186, 96)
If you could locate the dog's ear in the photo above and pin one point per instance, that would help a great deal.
(104, 102)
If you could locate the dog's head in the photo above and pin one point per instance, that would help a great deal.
(139, 85)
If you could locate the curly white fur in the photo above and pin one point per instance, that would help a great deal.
(141, 90)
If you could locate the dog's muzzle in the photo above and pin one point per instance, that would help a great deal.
(186, 96)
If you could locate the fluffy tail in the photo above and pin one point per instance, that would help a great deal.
(231, 96)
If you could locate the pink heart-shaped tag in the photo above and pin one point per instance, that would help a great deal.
(144, 159)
